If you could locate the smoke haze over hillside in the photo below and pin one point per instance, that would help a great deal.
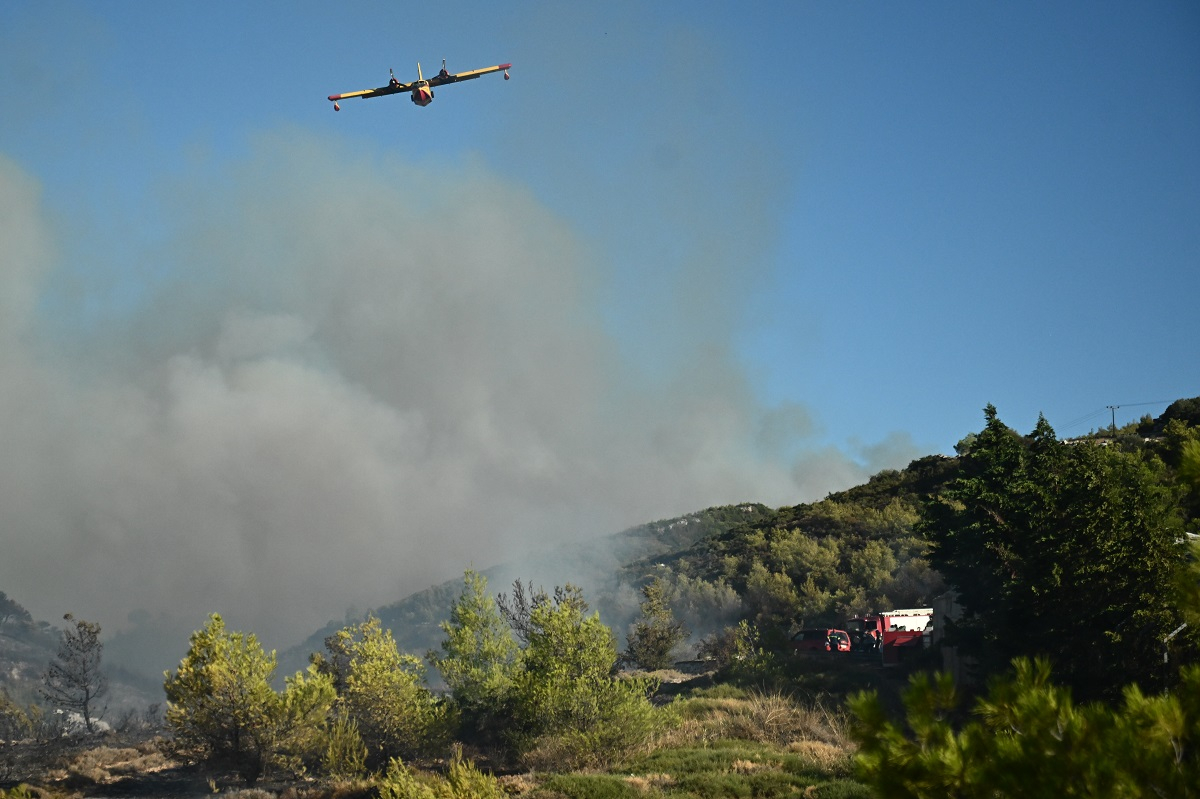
(353, 377)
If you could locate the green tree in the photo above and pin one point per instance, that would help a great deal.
(74, 679)
(657, 633)
(306, 731)
(1027, 738)
(1064, 551)
(772, 598)
(12, 611)
(223, 710)
(384, 692)
(1189, 464)
(15, 724)
(220, 703)
(568, 706)
(478, 657)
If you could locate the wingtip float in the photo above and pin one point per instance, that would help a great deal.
(420, 90)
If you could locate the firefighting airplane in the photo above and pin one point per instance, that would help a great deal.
(422, 90)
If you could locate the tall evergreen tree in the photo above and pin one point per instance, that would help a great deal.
(1065, 551)
(478, 657)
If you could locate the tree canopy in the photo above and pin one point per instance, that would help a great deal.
(1066, 551)
(223, 710)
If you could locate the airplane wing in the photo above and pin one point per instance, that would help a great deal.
(441, 79)
(393, 88)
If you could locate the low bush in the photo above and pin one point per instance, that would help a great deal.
(462, 781)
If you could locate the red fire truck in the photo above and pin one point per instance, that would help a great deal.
(890, 633)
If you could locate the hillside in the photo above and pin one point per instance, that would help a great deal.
(599, 567)
(809, 563)
(712, 561)
(27, 647)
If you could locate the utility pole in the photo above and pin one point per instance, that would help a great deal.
(1113, 408)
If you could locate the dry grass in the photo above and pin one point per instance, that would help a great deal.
(772, 718)
(106, 764)
(517, 784)
(823, 756)
(338, 789)
(249, 793)
(649, 782)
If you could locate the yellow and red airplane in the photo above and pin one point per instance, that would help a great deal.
(422, 90)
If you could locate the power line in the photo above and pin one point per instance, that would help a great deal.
(1113, 409)
(1082, 419)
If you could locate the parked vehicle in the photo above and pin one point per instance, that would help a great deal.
(891, 633)
(821, 639)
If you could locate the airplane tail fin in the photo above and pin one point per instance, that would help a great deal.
(419, 75)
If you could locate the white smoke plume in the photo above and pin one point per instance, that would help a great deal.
(353, 378)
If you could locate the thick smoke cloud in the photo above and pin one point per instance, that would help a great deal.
(353, 378)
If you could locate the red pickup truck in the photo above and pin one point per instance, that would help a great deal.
(821, 639)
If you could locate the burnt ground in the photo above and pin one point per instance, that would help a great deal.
(106, 765)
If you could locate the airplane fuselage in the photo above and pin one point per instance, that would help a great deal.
(422, 95)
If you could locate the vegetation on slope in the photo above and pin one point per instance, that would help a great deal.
(1076, 553)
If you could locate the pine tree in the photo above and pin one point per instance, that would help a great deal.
(657, 633)
(74, 679)
(478, 657)
(1067, 552)
(220, 701)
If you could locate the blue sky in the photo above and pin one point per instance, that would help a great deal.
(764, 252)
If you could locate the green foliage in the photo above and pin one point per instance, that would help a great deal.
(220, 703)
(1184, 412)
(400, 782)
(384, 692)
(74, 679)
(823, 562)
(729, 768)
(740, 656)
(15, 724)
(345, 755)
(774, 597)
(1028, 739)
(657, 633)
(22, 791)
(1189, 464)
(567, 705)
(1059, 550)
(590, 786)
(462, 781)
(223, 710)
(478, 658)
(304, 733)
